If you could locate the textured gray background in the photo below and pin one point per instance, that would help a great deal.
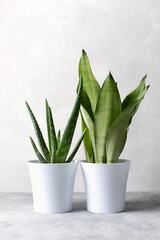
(40, 47)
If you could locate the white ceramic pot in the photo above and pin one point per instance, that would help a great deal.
(52, 186)
(105, 186)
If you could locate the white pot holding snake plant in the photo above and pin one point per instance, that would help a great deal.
(53, 175)
(105, 185)
(108, 120)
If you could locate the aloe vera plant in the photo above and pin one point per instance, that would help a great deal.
(58, 148)
(107, 118)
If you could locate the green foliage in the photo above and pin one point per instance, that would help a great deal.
(58, 148)
(108, 119)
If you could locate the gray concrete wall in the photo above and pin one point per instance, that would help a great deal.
(40, 47)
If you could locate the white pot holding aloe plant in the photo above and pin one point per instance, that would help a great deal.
(53, 174)
(108, 120)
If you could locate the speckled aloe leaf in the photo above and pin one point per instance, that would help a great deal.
(70, 158)
(53, 155)
(90, 85)
(39, 155)
(87, 142)
(117, 133)
(66, 141)
(58, 138)
(39, 135)
(107, 110)
(51, 130)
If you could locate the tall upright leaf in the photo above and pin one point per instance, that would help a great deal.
(39, 135)
(107, 110)
(87, 104)
(90, 125)
(90, 85)
(53, 156)
(140, 96)
(58, 138)
(87, 142)
(69, 130)
(50, 129)
(130, 98)
(117, 133)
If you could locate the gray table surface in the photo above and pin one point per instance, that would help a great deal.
(140, 221)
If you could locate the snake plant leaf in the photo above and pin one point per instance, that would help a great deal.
(54, 147)
(87, 142)
(39, 135)
(50, 129)
(117, 133)
(90, 84)
(130, 98)
(65, 144)
(107, 110)
(58, 138)
(86, 104)
(90, 125)
(76, 147)
(39, 155)
(141, 96)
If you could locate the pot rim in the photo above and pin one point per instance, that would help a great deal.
(120, 161)
(47, 164)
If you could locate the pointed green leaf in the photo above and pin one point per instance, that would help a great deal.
(107, 110)
(117, 133)
(39, 155)
(90, 85)
(86, 104)
(59, 138)
(53, 157)
(141, 96)
(87, 142)
(39, 135)
(130, 98)
(90, 125)
(66, 141)
(76, 147)
(50, 129)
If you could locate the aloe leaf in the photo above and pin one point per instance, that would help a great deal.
(39, 155)
(90, 125)
(117, 133)
(66, 141)
(90, 85)
(76, 147)
(54, 147)
(130, 98)
(58, 138)
(87, 142)
(39, 135)
(50, 129)
(107, 110)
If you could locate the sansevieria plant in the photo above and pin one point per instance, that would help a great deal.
(58, 148)
(108, 119)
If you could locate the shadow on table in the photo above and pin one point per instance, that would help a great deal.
(142, 201)
(135, 201)
(79, 202)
